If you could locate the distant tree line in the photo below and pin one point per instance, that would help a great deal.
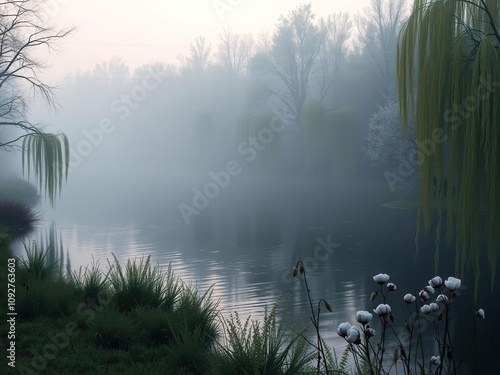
(301, 60)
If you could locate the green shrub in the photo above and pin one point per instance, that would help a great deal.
(52, 298)
(17, 219)
(193, 312)
(155, 325)
(269, 347)
(60, 298)
(188, 353)
(113, 329)
(35, 265)
(198, 312)
(139, 285)
(173, 288)
(91, 283)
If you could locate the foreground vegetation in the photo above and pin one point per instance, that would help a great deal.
(139, 319)
(370, 347)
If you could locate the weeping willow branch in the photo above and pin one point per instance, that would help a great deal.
(23, 33)
(448, 71)
(25, 126)
(330, 140)
(47, 156)
(13, 141)
(492, 20)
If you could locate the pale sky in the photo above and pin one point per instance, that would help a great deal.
(159, 30)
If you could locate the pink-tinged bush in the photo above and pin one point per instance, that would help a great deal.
(17, 219)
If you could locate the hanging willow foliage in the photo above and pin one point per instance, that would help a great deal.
(312, 124)
(250, 127)
(448, 67)
(342, 141)
(49, 154)
(330, 140)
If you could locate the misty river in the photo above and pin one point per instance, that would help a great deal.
(248, 238)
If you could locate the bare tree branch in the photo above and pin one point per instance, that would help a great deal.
(378, 28)
(303, 57)
(199, 58)
(22, 34)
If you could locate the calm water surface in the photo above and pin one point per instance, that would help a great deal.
(246, 242)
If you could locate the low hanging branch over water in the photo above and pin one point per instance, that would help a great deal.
(25, 32)
(49, 155)
(448, 67)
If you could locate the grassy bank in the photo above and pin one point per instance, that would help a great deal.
(134, 319)
(139, 319)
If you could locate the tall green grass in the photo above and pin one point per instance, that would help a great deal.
(113, 329)
(188, 353)
(198, 311)
(51, 297)
(267, 347)
(36, 264)
(142, 284)
(149, 311)
(156, 325)
(173, 287)
(90, 283)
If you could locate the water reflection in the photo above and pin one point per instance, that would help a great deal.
(202, 228)
(247, 241)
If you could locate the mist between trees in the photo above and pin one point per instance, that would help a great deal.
(337, 60)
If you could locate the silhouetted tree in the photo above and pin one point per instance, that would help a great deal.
(378, 27)
(234, 52)
(265, 42)
(198, 60)
(332, 51)
(23, 34)
(169, 70)
(304, 51)
(114, 71)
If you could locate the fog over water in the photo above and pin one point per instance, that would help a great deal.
(217, 159)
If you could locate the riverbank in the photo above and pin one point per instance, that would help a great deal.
(135, 319)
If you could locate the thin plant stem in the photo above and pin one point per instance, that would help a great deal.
(443, 347)
(321, 353)
(366, 347)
